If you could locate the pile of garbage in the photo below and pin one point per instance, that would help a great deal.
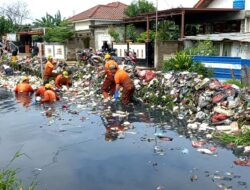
(207, 104)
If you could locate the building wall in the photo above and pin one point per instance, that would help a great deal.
(82, 25)
(100, 36)
(167, 49)
(221, 4)
(245, 50)
(227, 4)
(236, 50)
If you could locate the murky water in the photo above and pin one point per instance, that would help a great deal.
(74, 149)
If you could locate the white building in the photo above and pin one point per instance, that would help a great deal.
(235, 44)
(88, 24)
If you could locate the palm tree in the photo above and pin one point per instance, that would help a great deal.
(49, 21)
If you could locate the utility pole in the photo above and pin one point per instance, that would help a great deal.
(156, 36)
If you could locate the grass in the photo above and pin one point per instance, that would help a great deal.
(9, 179)
(235, 82)
(240, 139)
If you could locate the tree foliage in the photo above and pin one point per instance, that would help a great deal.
(138, 7)
(50, 21)
(57, 29)
(114, 33)
(131, 33)
(168, 30)
(205, 48)
(58, 34)
(16, 12)
(184, 62)
(6, 26)
(143, 36)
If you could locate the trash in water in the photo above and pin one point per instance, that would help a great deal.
(185, 151)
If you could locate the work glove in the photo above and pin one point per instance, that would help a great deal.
(116, 96)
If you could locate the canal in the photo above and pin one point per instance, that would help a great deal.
(84, 147)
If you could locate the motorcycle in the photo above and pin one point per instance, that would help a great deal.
(130, 58)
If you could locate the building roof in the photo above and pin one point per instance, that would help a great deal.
(202, 3)
(240, 37)
(111, 11)
(194, 13)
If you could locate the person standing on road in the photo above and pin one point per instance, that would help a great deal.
(108, 87)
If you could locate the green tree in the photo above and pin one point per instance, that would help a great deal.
(205, 48)
(168, 30)
(16, 12)
(57, 29)
(138, 7)
(131, 33)
(6, 26)
(114, 33)
(143, 36)
(49, 20)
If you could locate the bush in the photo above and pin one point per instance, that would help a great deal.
(236, 82)
(184, 62)
(9, 179)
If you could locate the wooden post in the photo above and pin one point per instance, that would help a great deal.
(232, 74)
(182, 24)
(148, 38)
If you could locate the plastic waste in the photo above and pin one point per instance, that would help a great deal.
(185, 151)
(205, 151)
(242, 162)
(116, 95)
(224, 111)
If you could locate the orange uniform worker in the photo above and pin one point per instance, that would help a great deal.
(49, 67)
(63, 79)
(40, 91)
(108, 87)
(123, 80)
(24, 86)
(49, 95)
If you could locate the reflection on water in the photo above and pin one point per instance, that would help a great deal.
(7, 103)
(73, 146)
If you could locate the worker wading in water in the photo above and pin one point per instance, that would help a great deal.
(49, 67)
(49, 95)
(24, 86)
(123, 80)
(108, 87)
(63, 79)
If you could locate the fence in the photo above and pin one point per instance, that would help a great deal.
(227, 67)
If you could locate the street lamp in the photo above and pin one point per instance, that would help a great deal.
(156, 34)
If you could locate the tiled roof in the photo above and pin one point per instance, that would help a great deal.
(111, 11)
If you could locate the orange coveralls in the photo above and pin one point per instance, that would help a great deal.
(108, 86)
(40, 91)
(62, 81)
(49, 96)
(24, 88)
(122, 78)
(48, 70)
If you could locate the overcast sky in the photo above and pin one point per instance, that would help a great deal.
(38, 8)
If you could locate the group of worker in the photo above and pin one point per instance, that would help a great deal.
(115, 79)
(45, 93)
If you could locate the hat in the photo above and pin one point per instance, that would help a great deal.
(25, 78)
(112, 66)
(107, 56)
(50, 57)
(47, 86)
(65, 74)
